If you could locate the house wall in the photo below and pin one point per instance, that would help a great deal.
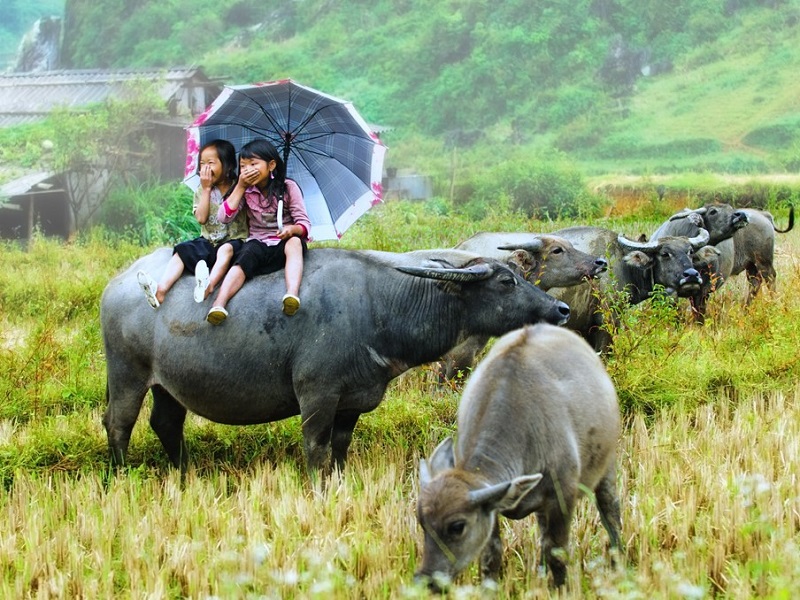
(46, 212)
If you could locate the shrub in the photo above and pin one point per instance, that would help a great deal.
(774, 137)
(151, 214)
(630, 146)
(540, 188)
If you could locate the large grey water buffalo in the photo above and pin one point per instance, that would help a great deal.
(544, 259)
(750, 249)
(635, 268)
(537, 424)
(367, 317)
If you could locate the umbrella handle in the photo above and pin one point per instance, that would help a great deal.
(280, 214)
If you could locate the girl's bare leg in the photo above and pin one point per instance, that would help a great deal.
(294, 266)
(232, 283)
(293, 273)
(224, 256)
(171, 275)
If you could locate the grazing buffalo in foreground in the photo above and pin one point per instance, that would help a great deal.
(750, 249)
(546, 260)
(538, 424)
(635, 268)
(367, 317)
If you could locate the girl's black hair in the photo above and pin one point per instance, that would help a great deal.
(264, 150)
(227, 156)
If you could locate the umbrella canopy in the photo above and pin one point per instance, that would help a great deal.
(328, 148)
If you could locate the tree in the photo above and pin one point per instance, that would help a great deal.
(102, 145)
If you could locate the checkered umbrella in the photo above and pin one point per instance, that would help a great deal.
(328, 148)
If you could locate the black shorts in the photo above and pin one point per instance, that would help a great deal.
(256, 258)
(193, 251)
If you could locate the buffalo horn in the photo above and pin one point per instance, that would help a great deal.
(700, 240)
(474, 273)
(629, 245)
(688, 211)
(489, 494)
(534, 246)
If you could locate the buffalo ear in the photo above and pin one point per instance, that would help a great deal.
(424, 473)
(441, 459)
(637, 259)
(523, 262)
(696, 219)
(506, 495)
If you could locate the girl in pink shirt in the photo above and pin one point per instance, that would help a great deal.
(276, 239)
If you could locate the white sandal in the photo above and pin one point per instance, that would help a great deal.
(201, 281)
(149, 287)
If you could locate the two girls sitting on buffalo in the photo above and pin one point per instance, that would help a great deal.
(219, 240)
(278, 227)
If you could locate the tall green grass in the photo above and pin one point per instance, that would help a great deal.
(706, 469)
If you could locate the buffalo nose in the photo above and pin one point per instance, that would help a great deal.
(601, 264)
(429, 582)
(691, 273)
(740, 215)
(563, 311)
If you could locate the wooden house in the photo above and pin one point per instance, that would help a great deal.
(30, 97)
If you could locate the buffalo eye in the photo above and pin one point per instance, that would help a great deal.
(713, 211)
(665, 254)
(557, 250)
(508, 281)
(456, 528)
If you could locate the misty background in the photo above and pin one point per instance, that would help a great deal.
(610, 86)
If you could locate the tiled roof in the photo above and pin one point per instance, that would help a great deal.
(22, 185)
(29, 97)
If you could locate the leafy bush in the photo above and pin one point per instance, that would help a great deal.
(571, 103)
(160, 214)
(753, 195)
(630, 146)
(22, 145)
(538, 187)
(774, 137)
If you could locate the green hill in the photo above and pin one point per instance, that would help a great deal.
(618, 86)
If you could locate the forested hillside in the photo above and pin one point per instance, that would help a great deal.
(641, 86)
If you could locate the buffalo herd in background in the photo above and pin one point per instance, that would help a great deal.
(538, 420)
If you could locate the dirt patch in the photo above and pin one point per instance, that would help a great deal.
(12, 337)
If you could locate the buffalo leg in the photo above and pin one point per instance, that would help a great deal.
(608, 506)
(699, 305)
(461, 358)
(492, 555)
(344, 421)
(343, 426)
(167, 419)
(317, 431)
(124, 396)
(754, 280)
(554, 525)
(756, 275)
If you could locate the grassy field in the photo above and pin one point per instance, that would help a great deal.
(707, 459)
